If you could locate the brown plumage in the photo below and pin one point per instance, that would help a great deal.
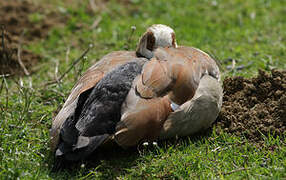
(179, 69)
(171, 76)
(196, 114)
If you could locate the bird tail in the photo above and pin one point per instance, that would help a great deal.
(80, 151)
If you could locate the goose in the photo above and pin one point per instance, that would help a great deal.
(157, 35)
(175, 87)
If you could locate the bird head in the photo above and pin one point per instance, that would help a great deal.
(158, 35)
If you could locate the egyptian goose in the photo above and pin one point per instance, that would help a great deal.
(156, 36)
(107, 114)
(173, 77)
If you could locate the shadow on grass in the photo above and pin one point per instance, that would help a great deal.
(113, 161)
(110, 161)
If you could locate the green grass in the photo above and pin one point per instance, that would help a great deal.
(247, 31)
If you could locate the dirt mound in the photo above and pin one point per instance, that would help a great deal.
(256, 106)
(22, 22)
(9, 63)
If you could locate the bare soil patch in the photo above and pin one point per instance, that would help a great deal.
(254, 107)
(22, 22)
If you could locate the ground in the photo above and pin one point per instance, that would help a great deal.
(254, 107)
(246, 38)
(22, 22)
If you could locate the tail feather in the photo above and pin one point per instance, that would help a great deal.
(83, 148)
